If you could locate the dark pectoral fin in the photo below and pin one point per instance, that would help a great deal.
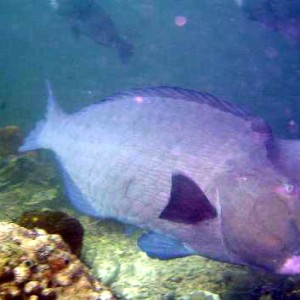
(163, 247)
(188, 204)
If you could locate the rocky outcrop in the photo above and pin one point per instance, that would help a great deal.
(36, 265)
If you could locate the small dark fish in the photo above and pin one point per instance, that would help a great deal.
(88, 18)
(277, 15)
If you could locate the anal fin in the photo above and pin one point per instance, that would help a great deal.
(75, 195)
(163, 247)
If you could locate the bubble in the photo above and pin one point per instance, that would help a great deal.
(54, 4)
(292, 127)
(239, 3)
(180, 21)
(288, 188)
(292, 123)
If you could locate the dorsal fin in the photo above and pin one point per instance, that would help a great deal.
(183, 94)
(258, 125)
(261, 129)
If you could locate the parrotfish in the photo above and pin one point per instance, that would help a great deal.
(88, 18)
(200, 175)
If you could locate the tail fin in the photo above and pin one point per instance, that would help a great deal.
(35, 139)
(125, 51)
(53, 109)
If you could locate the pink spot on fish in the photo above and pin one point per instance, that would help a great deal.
(180, 21)
(290, 266)
(138, 99)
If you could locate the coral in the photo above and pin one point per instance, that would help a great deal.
(37, 265)
(10, 140)
(56, 222)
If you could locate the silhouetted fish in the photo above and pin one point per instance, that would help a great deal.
(279, 15)
(200, 174)
(88, 18)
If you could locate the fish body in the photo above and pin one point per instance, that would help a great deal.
(88, 18)
(277, 15)
(199, 174)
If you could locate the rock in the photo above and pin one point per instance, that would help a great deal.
(37, 265)
(133, 275)
(10, 140)
(56, 222)
(169, 296)
(28, 182)
(108, 272)
(266, 297)
(204, 295)
(201, 295)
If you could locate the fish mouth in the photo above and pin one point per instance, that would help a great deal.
(291, 266)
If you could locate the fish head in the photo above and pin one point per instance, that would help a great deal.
(260, 219)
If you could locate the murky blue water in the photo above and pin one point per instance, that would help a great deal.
(218, 50)
(207, 45)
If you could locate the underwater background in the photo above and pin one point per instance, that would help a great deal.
(219, 50)
(208, 45)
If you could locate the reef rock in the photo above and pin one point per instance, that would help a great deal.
(10, 140)
(28, 182)
(37, 265)
(55, 222)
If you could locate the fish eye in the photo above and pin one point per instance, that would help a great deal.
(289, 188)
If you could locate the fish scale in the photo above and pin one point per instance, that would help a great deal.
(139, 145)
(184, 165)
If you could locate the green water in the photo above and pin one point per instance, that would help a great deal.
(219, 50)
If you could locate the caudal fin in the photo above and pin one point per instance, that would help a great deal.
(32, 140)
(38, 137)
